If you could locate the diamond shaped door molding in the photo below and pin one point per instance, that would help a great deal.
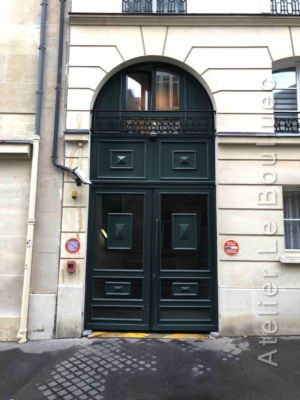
(184, 231)
(119, 233)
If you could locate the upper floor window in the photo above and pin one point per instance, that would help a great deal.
(155, 6)
(287, 99)
(291, 208)
(285, 7)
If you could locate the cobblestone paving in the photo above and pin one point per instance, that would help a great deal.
(83, 376)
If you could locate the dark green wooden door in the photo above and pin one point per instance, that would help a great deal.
(152, 259)
(183, 281)
(118, 295)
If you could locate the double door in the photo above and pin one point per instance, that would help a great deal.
(152, 259)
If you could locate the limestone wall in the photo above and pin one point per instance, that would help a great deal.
(14, 177)
(45, 266)
(251, 177)
(19, 36)
(19, 33)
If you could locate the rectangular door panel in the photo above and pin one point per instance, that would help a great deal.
(118, 293)
(117, 159)
(184, 160)
(111, 287)
(185, 289)
(184, 314)
(183, 295)
(184, 231)
(119, 231)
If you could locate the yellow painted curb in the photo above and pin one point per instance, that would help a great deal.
(143, 335)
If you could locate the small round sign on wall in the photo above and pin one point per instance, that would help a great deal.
(72, 245)
(231, 247)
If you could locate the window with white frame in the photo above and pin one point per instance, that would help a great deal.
(286, 95)
(291, 208)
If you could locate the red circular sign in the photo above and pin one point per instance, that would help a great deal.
(72, 245)
(231, 247)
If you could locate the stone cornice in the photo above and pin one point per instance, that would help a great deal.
(184, 20)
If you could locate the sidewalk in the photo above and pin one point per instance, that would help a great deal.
(150, 369)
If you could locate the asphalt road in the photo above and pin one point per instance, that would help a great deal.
(147, 369)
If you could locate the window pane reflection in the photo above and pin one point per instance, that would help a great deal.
(129, 209)
(167, 91)
(137, 91)
(285, 92)
(178, 259)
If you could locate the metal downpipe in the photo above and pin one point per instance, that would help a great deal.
(54, 155)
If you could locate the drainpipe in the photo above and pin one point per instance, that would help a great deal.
(76, 172)
(22, 334)
(58, 91)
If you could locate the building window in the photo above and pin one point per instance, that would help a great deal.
(291, 206)
(155, 6)
(287, 99)
(137, 91)
(285, 7)
(167, 91)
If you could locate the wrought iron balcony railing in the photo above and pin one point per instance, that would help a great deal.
(285, 7)
(287, 122)
(155, 6)
(158, 123)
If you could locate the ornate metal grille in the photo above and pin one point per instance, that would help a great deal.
(158, 6)
(287, 124)
(286, 7)
(153, 123)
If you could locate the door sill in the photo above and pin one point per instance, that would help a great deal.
(147, 335)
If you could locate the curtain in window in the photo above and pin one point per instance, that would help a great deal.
(285, 100)
(167, 91)
(291, 201)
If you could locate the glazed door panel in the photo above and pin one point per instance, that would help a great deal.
(118, 296)
(184, 251)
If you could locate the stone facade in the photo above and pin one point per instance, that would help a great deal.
(233, 59)
(19, 42)
(18, 57)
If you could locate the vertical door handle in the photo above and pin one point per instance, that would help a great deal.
(156, 249)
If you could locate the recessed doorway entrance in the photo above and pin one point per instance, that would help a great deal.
(151, 242)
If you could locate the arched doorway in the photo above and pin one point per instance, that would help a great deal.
(151, 241)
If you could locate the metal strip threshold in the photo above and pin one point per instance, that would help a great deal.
(143, 335)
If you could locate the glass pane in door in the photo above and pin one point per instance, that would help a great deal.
(137, 91)
(119, 231)
(167, 91)
(184, 232)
